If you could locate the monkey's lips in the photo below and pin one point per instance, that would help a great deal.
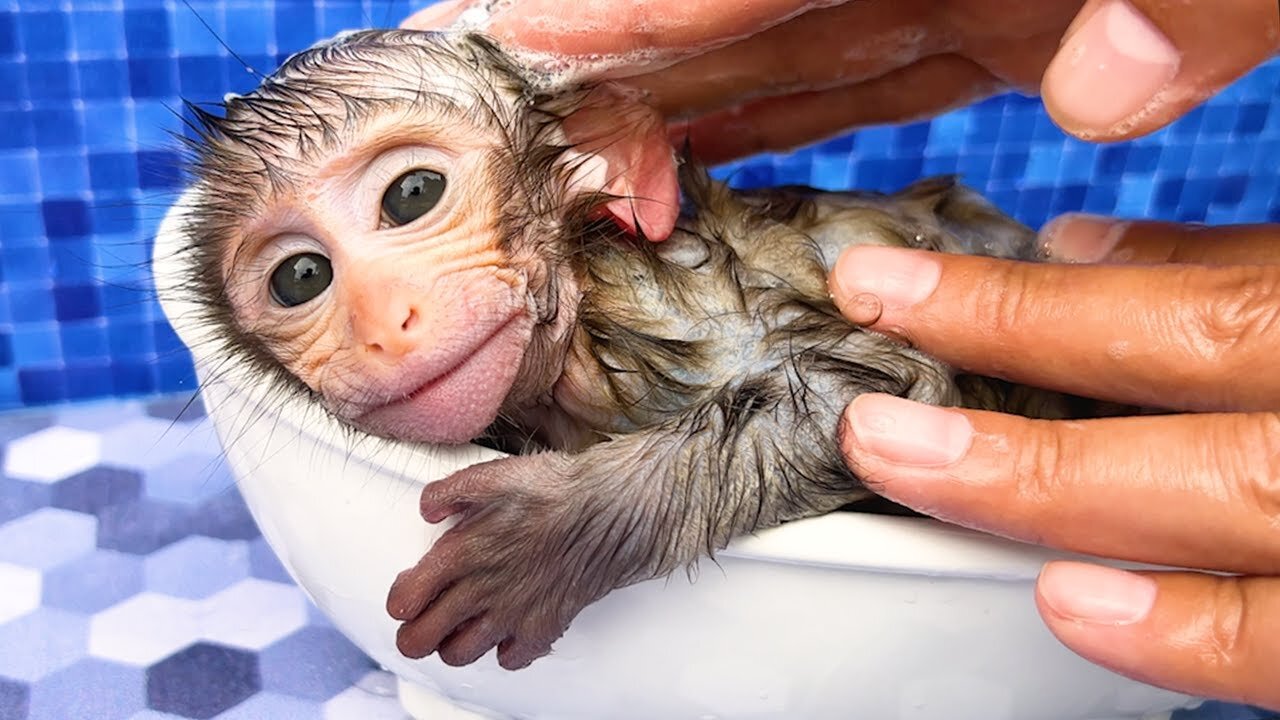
(457, 405)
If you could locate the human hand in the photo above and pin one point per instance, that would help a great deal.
(775, 74)
(1180, 317)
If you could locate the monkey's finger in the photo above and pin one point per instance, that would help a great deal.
(1129, 67)
(416, 588)
(1205, 636)
(422, 635)
(459, 492)
(519, 652)
(1196, 491)
(1185, 337)
(919, 90)
(471, 640)
(1085, 238)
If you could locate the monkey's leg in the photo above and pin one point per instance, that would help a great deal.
(540, 537)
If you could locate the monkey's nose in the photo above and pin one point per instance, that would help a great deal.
(387, 329)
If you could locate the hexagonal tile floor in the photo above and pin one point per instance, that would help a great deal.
(134, 585)
(128, 568)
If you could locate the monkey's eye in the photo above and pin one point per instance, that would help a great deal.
(412, 195)
(300, 278)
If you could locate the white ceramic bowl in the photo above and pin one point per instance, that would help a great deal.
(841, 616)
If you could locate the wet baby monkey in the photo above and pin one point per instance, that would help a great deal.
(404, 226)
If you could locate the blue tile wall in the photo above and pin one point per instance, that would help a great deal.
(87, 164)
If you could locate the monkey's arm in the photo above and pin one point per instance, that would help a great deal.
(540, 537)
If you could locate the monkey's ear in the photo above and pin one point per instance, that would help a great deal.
(628, 156)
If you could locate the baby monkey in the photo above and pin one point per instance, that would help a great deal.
(405, 226)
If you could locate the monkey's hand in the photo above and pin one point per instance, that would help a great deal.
(540, 537)
(537, 539)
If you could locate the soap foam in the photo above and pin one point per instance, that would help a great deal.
(555, 72)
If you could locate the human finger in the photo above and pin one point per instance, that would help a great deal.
(814, 51)
(1195, 491)
(1091, 239)
(1216, 637)
(1185, 337)
(1129, 67)
(436, 15)
(919, 90)
(627, 36)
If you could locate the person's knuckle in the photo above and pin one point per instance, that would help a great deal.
(1258, 469)
(1004, 300)
(1045, 466)
(1243, 308)
(1225, 634)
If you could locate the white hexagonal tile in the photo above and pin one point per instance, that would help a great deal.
(252, 614)
(98, 416)
(356, 703)
(52, 454)
(196, 567)
(144, 629)
(21, 591)
(47, 538)
(147, 442)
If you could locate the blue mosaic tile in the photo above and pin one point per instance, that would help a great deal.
(179, 482)
(15, 699)
(91, 688)
(15, 425)
(202, 680)
(146, 31)
(43, 34)
(97, 488)
(143, 526)
(197, 567)
(94, 582)
(312, 663)
(50, 81)
(47, 538)
(269, 706)
(263, 563)
(179, 409)
(225, 516)
(50, 639)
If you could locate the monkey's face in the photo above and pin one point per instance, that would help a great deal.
(384, 284)
(393, 244)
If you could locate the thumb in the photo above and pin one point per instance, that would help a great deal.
(1130, 67)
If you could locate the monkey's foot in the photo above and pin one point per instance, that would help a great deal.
(533, 546)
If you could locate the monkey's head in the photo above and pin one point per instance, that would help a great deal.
(384, 222)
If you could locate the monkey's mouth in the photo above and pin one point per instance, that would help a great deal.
(456, 405)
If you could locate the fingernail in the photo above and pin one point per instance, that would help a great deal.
(1110, 67)
(1081, 238)
(1097, 594)
(903, 432)
(899, 278)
